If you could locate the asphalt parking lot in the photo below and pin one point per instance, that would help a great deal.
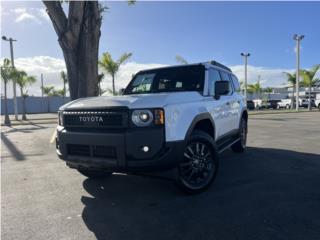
(272, 191)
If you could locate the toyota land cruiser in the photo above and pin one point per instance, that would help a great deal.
(179, 117)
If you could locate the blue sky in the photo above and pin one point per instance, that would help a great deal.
(199, 31)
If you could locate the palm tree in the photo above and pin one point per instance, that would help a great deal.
(268, 90)
(100, 78)
(181, 60)
(64, 79)
(255, 88)
(50, 91)
(309, 80)
(111, 66)
(23, 80)
(291, 78)
(6, 74)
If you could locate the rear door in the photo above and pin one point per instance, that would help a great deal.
(218, 109)
(231, 105)
(238, 98)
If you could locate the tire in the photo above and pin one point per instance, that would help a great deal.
(241, 145)
(94, 174)
(200, 163)
(287, 106)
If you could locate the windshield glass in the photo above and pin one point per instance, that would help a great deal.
(172, 79)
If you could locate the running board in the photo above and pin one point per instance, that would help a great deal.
(227, 141)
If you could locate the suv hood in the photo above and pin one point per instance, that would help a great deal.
(155, 100)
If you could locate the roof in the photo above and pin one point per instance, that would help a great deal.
(213, 63)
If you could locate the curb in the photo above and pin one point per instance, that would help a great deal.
(13, 123)
(263, 113)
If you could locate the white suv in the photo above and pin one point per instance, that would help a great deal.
(173, 117)
(317, 103)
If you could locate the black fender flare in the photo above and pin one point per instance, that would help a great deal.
(198, 118)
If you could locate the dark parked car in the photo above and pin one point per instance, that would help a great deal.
(250, 105)
(305, 103)
(273, 104)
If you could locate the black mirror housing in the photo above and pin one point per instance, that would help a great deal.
(221, 88)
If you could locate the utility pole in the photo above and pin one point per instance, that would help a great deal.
(298, 39)
(15, 104)
(245, 55)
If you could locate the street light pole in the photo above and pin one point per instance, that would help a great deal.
(245, 55)
(15, 104)
(298, 39)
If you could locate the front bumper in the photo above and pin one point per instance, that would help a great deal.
(124, 150)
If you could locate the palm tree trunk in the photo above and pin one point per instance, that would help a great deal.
(6, 115)
(309, 103)
(292, 98)
(24, 117)
(113, 85)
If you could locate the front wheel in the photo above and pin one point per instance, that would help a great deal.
(200, 163)
(94, 174)
(240, 145)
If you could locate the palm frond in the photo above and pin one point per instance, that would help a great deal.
(124, 57)
(181, 60)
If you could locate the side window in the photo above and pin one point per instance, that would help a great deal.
(213, 77)
(236, 84)
(225, 77)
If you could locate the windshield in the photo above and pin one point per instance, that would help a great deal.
(172, 79)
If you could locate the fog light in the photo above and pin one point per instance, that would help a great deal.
(145, 149)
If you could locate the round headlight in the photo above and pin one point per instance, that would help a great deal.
(142, 118)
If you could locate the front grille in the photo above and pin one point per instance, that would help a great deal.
(104, 151)
(92, 151)
(96, 119)
(79, 150)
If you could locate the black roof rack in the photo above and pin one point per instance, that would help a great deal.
(215, 63)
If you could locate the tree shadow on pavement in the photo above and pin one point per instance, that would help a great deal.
(26, 128)
(18, 155)
(261, 194)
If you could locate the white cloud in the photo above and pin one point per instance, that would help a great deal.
(51, 68)
(37, 15)
(27, 16)
(43, 13)
(19, 10)
(270, 77)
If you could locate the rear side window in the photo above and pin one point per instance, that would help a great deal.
(213, 77)
(236, 83)
(224, 76)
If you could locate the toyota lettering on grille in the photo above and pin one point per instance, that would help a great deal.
(91, 119)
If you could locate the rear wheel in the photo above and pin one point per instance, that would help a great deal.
(94, 174)
(241, 145)
(200, 163)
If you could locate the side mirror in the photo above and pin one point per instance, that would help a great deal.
(221, 88)
(121, 91)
